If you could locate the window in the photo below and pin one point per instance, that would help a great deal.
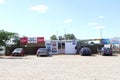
(1, 49)
(61, 45)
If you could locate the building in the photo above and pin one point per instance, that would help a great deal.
(61, 46)
(31, 44)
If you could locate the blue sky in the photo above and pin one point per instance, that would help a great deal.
(83, 18)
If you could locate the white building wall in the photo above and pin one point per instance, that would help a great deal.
(70, 47)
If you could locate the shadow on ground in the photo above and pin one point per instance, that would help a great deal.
(13, 57)
(46, 56)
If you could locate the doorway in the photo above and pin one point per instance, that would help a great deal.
(61, 47)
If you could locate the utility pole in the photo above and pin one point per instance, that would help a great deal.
(57, 34)
(101, 33)
(65, 33)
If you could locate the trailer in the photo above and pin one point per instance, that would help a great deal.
(2, 50)
(95, 46)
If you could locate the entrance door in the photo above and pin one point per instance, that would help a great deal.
(61, 47)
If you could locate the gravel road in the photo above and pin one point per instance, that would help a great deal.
(60, 67)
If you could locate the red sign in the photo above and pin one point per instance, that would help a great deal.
(40, 39)
(23, 40)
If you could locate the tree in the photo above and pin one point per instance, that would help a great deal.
(16, 40)
(5, 36)
(69, 36)
(53, 37)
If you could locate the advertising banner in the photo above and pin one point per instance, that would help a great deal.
(48, 46)
(54, 47)
(40, 39)
(23, 40)
(105, 41)
(115, 41)
(32, 40)
(73, 42)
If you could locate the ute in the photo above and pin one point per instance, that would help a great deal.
(18, 52)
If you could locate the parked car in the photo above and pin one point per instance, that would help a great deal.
(106, 51)
(18, 52)
(42, 52)
(85, 51)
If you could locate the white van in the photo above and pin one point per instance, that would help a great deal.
(2, 50)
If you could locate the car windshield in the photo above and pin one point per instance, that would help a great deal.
(18, 49)
(107, 48)
(85, 48)
(42, 49)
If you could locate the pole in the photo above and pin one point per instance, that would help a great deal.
(57, 34)
(101, 33)
(65, 33)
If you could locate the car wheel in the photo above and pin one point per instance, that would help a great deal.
(110, 54)
(37, 55)
(89, 54)
(22, 55)
(102, 54)
(81, 54)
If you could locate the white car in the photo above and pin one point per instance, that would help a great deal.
(18, 52)
(106, 51)
(42, 52)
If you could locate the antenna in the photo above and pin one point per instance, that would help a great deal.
(101, 33)
(65, 33)
(57, 34)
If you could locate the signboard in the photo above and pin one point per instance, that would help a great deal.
(32, 40)
(54, 49)
(115, 41)
(73, 42)
(48, 46)
(105, 41)
(40, 39)
(110, 41)
(23, 40)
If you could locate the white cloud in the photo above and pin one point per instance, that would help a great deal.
(100, 17)
(99, 27)
(2, 1)
(68, 20)
(39, 8)
(96, 25)
(93, 24)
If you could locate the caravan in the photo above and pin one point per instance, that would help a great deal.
(2, 50)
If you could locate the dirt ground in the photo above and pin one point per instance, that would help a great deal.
(60, 67)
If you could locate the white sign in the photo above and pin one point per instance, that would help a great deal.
(32, 40)
(54, 47)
